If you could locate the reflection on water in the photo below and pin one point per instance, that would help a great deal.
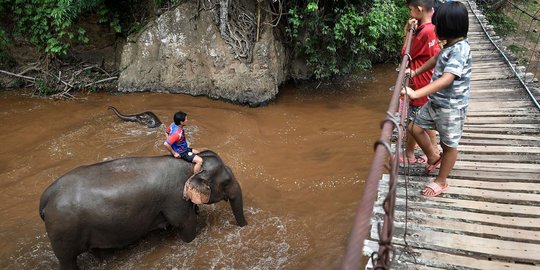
(301, 161)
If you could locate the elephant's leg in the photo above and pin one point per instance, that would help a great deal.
(67, 256)
(65, 242)
(186, 220)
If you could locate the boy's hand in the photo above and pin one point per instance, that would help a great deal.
(176, 155)
(411, 24)
(409, 72)
(408, 91)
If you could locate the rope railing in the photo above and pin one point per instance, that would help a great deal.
(383, 160)
(521, 51)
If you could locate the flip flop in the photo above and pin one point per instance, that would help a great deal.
(436, 188)
(407, 160)
(431, 168)
(420, 160)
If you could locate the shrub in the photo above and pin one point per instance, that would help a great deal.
(337, 37)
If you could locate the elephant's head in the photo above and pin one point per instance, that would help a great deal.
(214, 183)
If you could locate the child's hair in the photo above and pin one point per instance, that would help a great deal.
(451, 20)
(179, 117)
(427, 4)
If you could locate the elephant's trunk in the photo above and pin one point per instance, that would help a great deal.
(238, 211)
(237, 204)
(122, 116)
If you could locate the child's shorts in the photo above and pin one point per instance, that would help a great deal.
(448, 122)
(411, 113)
(188, 155)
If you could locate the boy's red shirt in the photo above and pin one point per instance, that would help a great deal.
(424, 45)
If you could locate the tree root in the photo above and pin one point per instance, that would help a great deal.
(59, 81)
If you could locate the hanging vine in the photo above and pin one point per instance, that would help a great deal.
(239, 22)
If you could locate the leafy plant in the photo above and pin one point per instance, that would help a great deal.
(337, 37)
(5, 59)
(502, 23)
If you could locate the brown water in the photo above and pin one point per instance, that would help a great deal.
(301, 161)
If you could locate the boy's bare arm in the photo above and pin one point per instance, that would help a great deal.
(428, 65)
(444, 81)
(169, 148)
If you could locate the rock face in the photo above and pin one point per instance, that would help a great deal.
(180, 52)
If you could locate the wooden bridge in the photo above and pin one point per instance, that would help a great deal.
(490, 216)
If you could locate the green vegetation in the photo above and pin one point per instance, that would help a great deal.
(51, 25)
(337, 37)
(502, 24)
(515, 25)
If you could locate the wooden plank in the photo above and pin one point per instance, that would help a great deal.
(485, 207)
(459, 227)
(502, 186)
(498, 220)
(489, 84)
(514, 96)
(417, 211)
(466, 244)
(444, 201)
(446, 260)
(371, 246)
(507, 197)
(466, 262)
(495, 176)
(497, 158)
(476, 141)
(500, 113)
(504, 126)
(524, 252)
(491, 77)
(429, 258)
(501, 136)
(500, 104)
(472, 108)
(504, 120)
(496, 91)
(499, 130)
(500, 166)
(499, 149)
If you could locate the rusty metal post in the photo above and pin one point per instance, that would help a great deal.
(360, 230)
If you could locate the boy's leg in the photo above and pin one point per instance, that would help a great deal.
(411, 142)
(198, 164)
(433, 138)
(424, 141)
(409, 148)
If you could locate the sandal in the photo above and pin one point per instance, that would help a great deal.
(420, 160)
(430, 168)
(433, 189)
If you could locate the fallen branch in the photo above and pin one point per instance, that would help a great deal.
(18, 75)
(104, 80)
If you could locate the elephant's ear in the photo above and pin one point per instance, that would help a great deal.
(197, 188)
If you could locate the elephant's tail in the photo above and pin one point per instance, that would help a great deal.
(43, 203)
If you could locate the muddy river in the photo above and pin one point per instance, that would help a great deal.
(301, 161)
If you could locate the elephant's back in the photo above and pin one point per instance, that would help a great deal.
(117, 178)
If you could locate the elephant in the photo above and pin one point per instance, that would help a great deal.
(146, 118)
(114, 203)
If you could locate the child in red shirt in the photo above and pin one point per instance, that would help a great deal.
(424, 45)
